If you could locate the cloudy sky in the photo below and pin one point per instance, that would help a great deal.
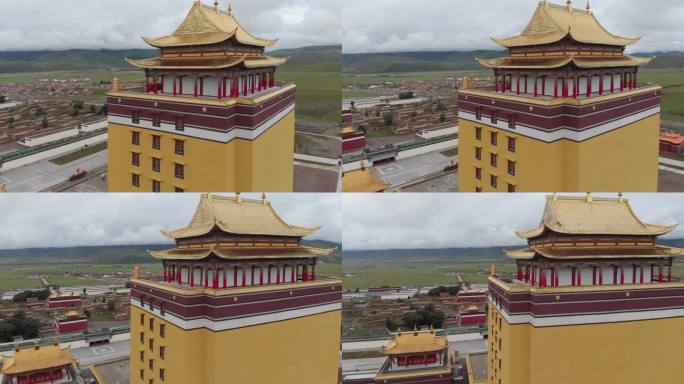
(51, 220)
(118, 24)
(412, 25)
(404, 221)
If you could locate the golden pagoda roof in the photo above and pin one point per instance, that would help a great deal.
(592, 215)
(240, 253)
(208, 63)
(561, 61)
(237, 216)
(551, 23)
(363, 180)
(416, 342)
(206, 25)
(32, 359)
(617, 252)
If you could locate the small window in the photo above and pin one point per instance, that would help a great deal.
(151, 364)
(151, 325)
(478, 190)
(156, 142)
(151, 344)
(511, 168)
(162, 352)
(135, 180)
(142, 337)
(162, 374)
(135, 138)
(511, 144)
(179, 190)
(180, 123)
(142, 355)
(478, 133)
(156, 120)
(180, 171)
(142, 373)
(494, 119)
(478, 173)
(180, 147)
(478, 153)
(511, 189)
(156, 164)
(135, 117)
(142, 319)
(478, 113)
(162, 330)
(156, 186)
(493, 159)
(493, 181)
(493, 138)
(135, 159)
(511, 121)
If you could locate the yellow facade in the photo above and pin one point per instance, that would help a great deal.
(633, 352)
(264, 164)
(297, 351)
(625, 159)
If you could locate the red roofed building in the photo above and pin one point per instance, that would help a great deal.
(671, 142)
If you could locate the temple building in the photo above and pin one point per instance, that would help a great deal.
(353, 140)
(364, 180)
(40, 364)
(565, 112)
(239, 300)
(593, 300)
(70, 322)
(210, 117)
(671, 142)
(412, 357)
(472, 316)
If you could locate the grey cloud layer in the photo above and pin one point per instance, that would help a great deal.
(31, 220)
(118, 24)
(405, 221)
(442, 25)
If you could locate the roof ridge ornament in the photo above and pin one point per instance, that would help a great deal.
(590, 199)
(588, 7)
(621, 197)
(230, 8)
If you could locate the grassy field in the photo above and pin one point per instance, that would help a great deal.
(672, 82)
(73, 156)
(363, 275)
(94, 75)
(368, 79)
(20, 277)
(318, 90)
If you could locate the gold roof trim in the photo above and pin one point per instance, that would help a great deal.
(558, 62)
(416, 342)
(596, 216)
(551, 23)
(31, 359)
(265, 61)
(237, 216)
(159, 63)
(363, 180)
(204, 25)
(240, 253)
(596, 252)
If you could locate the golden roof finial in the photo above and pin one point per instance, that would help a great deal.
(588, 7)
(554, 196)
(492, 271)
(136, 272)
(216, 5)
(621, 197)
(115, 85)
(263, 197)
(238, 197)
(590, 199)
(230, 8)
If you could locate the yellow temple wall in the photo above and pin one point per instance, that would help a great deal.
(265, 164)
(625, 159)
(298, 351)
(628, 353)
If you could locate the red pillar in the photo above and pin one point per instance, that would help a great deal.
(192, 277)
(589, 80)
(614, 274)
(557, 278)
(634, 81)
(154, 85)
(534, 270)
(215, 278)
(593, 277)
(244, 85)
(641, 274)
(565, 87)
(174, 85)
(517, 85)
(519, 273)
(225, 280)
(496, 83)
(612, 87)
(579, 277)
(600, 275)
(235, 283)
(180, 84)
(219, 91)
(622, 82)
(555, 90)
(601, 85)
(660, 273)
(622, 275)
(292, 275)
(526, 81)
(313, 273)
(669, 273)
(162, 84)
(261, 276)
(543, 79)
(277, 275)
(195, 92)
(206, 278)
(536, 91)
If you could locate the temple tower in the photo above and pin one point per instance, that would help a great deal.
(41, 364)
(593, 300)
(239, 300)
(565, 112)
(210, 117)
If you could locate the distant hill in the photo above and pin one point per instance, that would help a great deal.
(114, 254)
(461, 255)
(456, 60)
(79, 59)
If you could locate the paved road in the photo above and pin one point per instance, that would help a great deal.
(43, 174)
(402, 171)
(666, 161)
(103, 353)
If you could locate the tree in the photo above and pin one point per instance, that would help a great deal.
(411, 320)
(44, 123)
(405, 95)
(391, 324)
(103, 110)
(3, 99)
(111, 305)
(93, 109)
(6, 331)
(22, 297)
(389, 119)
(86, 313)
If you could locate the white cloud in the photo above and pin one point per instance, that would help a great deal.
(444, 25)
(404, 221)
(42, 220)
(118, 24)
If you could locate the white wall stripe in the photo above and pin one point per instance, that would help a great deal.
(562, 133)
(223, 325)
